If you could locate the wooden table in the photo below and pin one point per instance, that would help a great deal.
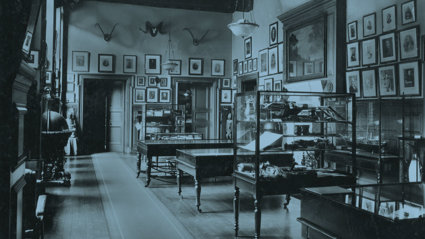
(203, 163)
(150, 148)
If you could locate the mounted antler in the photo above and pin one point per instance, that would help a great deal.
(195, 40)
(107, 37)
(153, 30)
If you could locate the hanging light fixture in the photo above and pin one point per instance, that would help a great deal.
(243, 27)
(168, 64)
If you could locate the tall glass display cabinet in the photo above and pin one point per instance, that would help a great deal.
(281, 139)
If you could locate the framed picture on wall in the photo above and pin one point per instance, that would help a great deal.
(409, 78)
(273, 60)
(140, 81)
(226, 96)
(235, 67)
(387, 83)
(240, 67)
(80, 61)
(164, 96)
(369, 83)
(264, 64)
(389, 18)
(353, 82)
(196, 66)
(268, 84)
(129, 64)
(409, 43)
(387, 48)
(249, 65)
(27, 43)
(273, 34)
(369, 52)
(248, 47)
(151, 95)
(369, 25)
(152, 80)
(152, 64)
(277, 85)
(308, 68)
(165, 82)
(217, 67)
(353, 58)
(176, 70)
(226, 83)
(408, 12)
(33, 59)
(254, 64)
(139, 96)
(106, 63)
(245, 67)
(352, 31)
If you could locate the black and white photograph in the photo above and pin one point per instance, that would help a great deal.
(212, 119)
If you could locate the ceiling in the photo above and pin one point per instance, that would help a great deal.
(223, 6)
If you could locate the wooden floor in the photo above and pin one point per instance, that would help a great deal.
(107, 201)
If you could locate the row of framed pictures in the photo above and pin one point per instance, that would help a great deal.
(389, 20)
(273, 40)
(227, 96)
(151, 95)
(270, 84)
(408, 48)
(365, 83)
(243, 67)
(162, 82)
(271, 60)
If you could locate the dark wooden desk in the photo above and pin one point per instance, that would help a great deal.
(150, 148)
(203, 163)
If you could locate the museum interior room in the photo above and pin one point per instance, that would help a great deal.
(212, 119)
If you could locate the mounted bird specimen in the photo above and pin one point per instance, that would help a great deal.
(195, 40)
(153, 30)
(106, 36)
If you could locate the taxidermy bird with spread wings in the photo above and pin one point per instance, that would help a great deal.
(195, 40)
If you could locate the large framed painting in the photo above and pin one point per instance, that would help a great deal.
(306, 44)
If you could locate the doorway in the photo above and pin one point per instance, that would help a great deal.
(103, 116)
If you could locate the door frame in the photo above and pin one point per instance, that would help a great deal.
(175, 81)
(126, 139)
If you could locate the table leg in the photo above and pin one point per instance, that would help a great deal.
(257, 211)
(236, 201)
(139, 162)
(198, 194)
(179, 180)
(148, 171)
(287, 199)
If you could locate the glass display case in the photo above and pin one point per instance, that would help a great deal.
(281, 139)
(164, 118)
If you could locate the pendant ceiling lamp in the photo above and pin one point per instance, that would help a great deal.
(168, 64)
(243, 27)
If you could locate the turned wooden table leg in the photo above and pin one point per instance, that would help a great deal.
(198, 194)
(179, 181)
(236, 210)
(287, 199)
(139, 162)
(257, 211)
(148, 171)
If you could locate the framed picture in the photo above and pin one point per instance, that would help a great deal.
(48, 79)
(140, 81)
(277, 85)
(268, 84)
(292, 68)
(369, 52)
(273, 34)
(301, 49)
(196, 66)
(33, 60)
(352, 31)
(152, 80)
(273, 58)
(106, 63)
(369, 25)
(217, 67)
(408, 12)
(226, 83)
(353, 58)
(369, 83)
(129, 64)
(264, 64)
(386, 76)
(27, 43)
(245, 67)
(80, 61)
(389, 18)
(152, 64)
(409, 78)
(226, 96)
(254, 64)
(240, 67)
(353, 82)
(139, 96)
(409, 43)
(308, 68)
(151, 95)
(248, 47)
(387, 47)
(280, 55)
(235, 67)
(249, 65)
(176, 70)
(164, 96)
(165, 82)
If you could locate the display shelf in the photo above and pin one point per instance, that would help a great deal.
(302, 125)
(164, 118)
